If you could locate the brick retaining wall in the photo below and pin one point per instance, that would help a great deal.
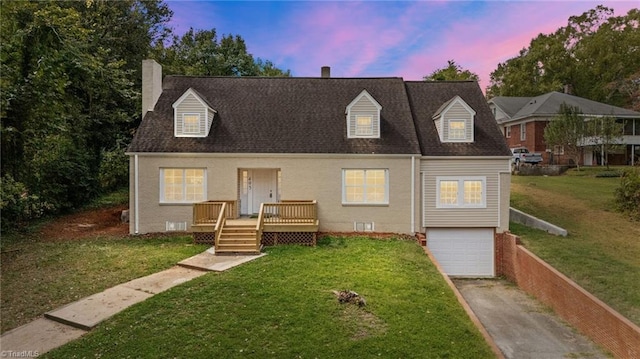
(575, 305)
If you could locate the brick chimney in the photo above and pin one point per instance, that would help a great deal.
(151, 84)
(325, 72)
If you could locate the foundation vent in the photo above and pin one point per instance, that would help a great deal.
(363, 226)
(175, 226)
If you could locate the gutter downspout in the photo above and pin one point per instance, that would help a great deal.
(135, 195)
(413, 193)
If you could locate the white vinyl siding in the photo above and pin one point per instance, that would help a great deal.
(460, 192)
(457, 113)
(363, 117)
(186, 110)
(182, 185)
(472, 214)
(365, 186)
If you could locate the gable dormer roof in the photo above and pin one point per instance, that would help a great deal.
(428, 98)
(454, 121)
(447, 106)
(192, 115)
(363, 117)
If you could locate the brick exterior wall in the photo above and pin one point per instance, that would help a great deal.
(534, 141)
(571, 302)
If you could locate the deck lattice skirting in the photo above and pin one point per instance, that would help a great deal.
(275, 238)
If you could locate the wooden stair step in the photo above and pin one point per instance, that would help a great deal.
(226, 241)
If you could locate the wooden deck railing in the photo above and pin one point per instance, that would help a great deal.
(207, 212)
(222, 217)
(290, 212)
(259, 227)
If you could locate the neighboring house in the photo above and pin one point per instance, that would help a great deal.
(523, 119)
(376, 154)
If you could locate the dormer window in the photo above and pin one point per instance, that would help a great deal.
(457, 129)
(364, 126)
(191, 123)
(454, 121)
(192, 115)
(363, 117)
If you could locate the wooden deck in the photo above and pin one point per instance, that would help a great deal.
(218, 222)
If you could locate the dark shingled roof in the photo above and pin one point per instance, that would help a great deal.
(426, 98)
(548, 105)
(307, 115)
(280, 115)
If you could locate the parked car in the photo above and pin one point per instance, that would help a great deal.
(522, 155)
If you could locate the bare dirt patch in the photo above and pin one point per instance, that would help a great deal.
(87, 224)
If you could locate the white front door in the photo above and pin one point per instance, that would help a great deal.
(259, 186)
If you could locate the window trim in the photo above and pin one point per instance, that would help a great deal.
(184, 170)
(523, 131)
(184, 131)
(365, 203)
(507, 131)
(464, 130)
(460, 196)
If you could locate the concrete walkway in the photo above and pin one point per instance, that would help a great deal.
(521, 327)
(71, 321)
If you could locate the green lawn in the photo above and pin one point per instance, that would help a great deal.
(282, 306)
(602, 251)
(39, 276)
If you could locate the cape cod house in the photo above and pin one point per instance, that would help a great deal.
(523, 120)
(301, 155)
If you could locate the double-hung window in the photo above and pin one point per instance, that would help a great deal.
(365, 186)
(457, 130)
(467, 192)
(364, 126)
(182, 185)
(507, 131)
(191, 123)
(523, 131)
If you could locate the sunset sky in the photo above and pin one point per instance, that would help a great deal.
(383, 38)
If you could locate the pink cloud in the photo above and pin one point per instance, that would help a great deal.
(481, 45)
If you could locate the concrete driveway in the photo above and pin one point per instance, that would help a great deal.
(520, 325)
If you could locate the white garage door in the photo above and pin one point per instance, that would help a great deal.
(466, 252)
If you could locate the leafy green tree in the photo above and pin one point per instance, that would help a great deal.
(567, 129)
(200, 53)
(70, 85)
(453, 72)
(628, 193)
(594, 55)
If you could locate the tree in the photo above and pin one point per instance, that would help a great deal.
(567, 129)
(605, 134)
(453, 72)
(199, 53)
(594, 55)
(70, 85)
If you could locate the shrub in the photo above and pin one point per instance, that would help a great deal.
(608, 174)
(628, 193)
(17, 205)
(114, 169)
